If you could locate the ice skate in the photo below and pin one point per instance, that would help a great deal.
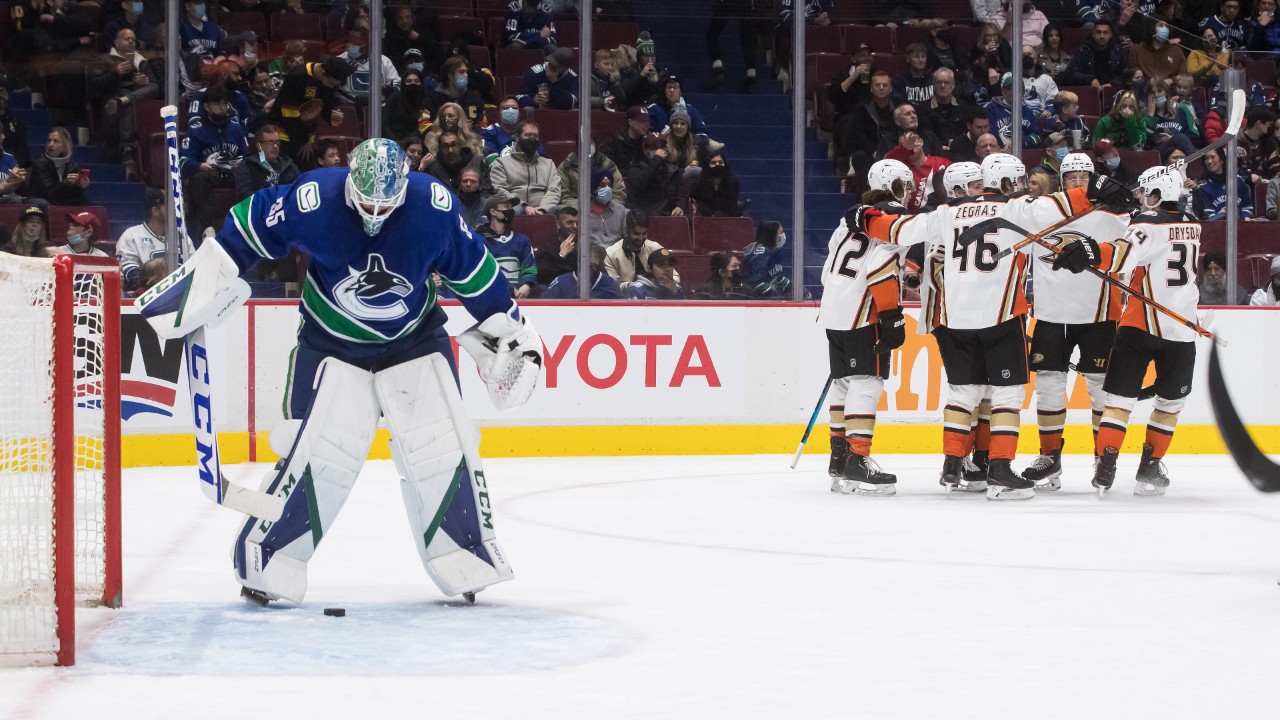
(1046, 472)
(975, 473)
(256, 597)
(1104, 470)
(952, 473)
(839, 455)
(862, 476)
(1004, 484)
(1152, 478)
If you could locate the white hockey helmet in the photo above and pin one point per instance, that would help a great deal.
(377, 182)
(884, 172)
(1003, 166)
(1075, 162)
(959, 175)
(1161, 180)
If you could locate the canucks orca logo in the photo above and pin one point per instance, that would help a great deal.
(356, 294)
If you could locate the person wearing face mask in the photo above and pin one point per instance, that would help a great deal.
(512, 250)
(455, 87)
(726, 280)
(1269, 296)
(1265, 36)
(1157, 57)
(403, 107)
(198, 34)
(715, 193)
(763, 259)
(1057, 147)
(81, 229)
(131, 18)
(550, 85)
(1168, 117)
(526, 174)
(500, 136)
(1106, 160)
(529, 24)
(208, 159)
(356, 87)
(605, 217)
(266, 168)
(1213, 282)
(30, 236)
(568, 172)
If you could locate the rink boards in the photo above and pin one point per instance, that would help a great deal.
(651, 378)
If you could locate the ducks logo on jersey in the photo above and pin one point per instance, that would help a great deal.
(375, 281)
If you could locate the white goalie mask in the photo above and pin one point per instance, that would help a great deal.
(883, 173)
(958, 177)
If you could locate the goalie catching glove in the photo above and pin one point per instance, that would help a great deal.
(508, 354)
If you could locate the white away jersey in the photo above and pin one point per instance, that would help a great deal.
(855, 264)
(1160, 249)
(1062, 296)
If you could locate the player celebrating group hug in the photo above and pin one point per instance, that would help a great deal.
(975, 252)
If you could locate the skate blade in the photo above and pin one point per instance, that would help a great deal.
(870, 489)
(837, 486)
(1049, 485)
(1147, 490)
(972, 486)
(1101, 491)
(998, 492)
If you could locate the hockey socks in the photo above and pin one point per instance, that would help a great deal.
(1160, 432)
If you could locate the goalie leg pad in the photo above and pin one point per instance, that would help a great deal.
(436, 451)
(316, 477)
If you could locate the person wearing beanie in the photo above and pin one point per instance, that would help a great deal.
(1270, 294)
(551, 85)
(605, 217)
(672, 98)
(568, 172)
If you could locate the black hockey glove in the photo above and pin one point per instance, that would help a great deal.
(1110, 193)
(856, 217)
(1079, 255)
(893, 331)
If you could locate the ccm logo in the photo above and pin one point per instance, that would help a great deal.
(694, 360)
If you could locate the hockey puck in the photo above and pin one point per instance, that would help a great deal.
(335, 612)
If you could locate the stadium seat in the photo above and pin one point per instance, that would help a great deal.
(497, 34)
(1090, 99)
(478, 56)
(1262, 70)
(238, 22)
(1260, 200)
(892, 64)
(604, 35)
(1256, 238)
(513, 62)
(455, 8)
(711, 234)
(823, 39)
(880, 38)
(695, 271)
(672, 233)
(1213, 237)
(490, 9)
(349, 127)
(905, 35)
(296, 27)
(449, 26)
(1073, 38)
(557, 125)
(606, 124)
(559, 150)
(333, 27)
(541, 229)
(821, 69)
(314, 49)
(1139, 160)
(966, 36)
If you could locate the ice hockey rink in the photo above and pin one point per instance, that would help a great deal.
(706, 587)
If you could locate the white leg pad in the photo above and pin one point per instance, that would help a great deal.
(436, 451)
(324, 461)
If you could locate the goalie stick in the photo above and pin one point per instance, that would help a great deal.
(1234, 120)
(1260, 470)
(812, 420)
(216, 487)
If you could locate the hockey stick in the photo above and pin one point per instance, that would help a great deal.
(1106, 277)
(812, 420)
(1234, 120)
(1260, 470)
(215, 485)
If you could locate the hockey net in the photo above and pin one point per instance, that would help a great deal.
(59, 451)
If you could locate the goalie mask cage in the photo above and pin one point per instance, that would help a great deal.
(59, 451)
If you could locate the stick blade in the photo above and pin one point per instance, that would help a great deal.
(1256, 466)
(1235, 116)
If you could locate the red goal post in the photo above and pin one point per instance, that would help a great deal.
(59, 451)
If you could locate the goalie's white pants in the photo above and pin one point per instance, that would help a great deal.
(434, 448)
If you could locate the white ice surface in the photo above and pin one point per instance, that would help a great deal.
(706, 587)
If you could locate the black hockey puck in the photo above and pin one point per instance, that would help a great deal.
(335, 612)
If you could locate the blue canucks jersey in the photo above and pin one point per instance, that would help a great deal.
(367, 290)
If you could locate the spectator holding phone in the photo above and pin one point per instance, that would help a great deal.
(56, 177)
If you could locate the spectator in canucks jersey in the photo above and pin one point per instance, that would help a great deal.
(512, 250)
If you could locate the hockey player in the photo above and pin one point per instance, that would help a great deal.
(371, 342)
(1160, 250)
(1072, 311)
(862, 314)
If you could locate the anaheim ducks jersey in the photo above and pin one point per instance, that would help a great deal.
(981, 290)
(1061, 296)
(1160, 250)
(859, 279)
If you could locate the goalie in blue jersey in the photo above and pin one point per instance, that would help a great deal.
(371, 343)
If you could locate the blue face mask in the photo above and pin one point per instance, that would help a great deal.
(782, 242)
(353, 51)
(1113, 162)
(74, 239)
(1162, 33)
(199, 10)
(136, 8)
(1061, 153)
(461, 82)
(509, 115)
(604, 195)
(1161, 100)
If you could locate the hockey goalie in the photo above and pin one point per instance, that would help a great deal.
(371, 344)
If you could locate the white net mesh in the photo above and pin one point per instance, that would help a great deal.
(28, 613)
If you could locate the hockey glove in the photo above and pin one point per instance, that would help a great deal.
(508, 354)
(1079, 255)
(893, 331)
(1105, 191)
(856, 217)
